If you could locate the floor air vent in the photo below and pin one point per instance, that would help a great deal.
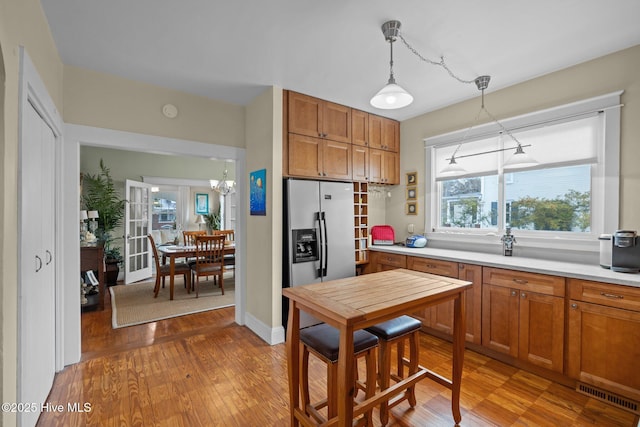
(607, 396)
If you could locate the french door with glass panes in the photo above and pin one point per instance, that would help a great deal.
(137, 251)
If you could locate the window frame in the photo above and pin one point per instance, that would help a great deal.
(604, 176)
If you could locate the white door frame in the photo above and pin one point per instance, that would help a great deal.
(77, 135)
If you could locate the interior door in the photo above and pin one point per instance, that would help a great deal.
(36, 294)
(138, 220)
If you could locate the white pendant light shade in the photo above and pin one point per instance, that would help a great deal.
(391, 96)
(452, 169)
(519, 160)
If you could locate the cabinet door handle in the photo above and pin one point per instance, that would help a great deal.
(574, 306)
(49, 257)
(606, 295)
(38, 263)
(521, 281)
(514, 293)
(523, 295)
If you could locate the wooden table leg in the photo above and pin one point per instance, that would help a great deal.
(172, 272)
(346, 379)
(459, 332)
(293, 359)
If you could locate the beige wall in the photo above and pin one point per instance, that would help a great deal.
(107, 101)
(618, 71)
(264, 233)
(22, 23)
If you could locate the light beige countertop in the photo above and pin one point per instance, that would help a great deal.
(533, 265)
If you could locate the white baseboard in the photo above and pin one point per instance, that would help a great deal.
(270, 335)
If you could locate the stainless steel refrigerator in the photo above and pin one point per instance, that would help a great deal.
(318, 236)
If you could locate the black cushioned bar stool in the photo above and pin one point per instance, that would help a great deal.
(323, 341)
(396, 331)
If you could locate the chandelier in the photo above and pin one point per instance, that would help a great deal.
(223, 186)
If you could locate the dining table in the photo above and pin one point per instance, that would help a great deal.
(185, 251)
(358, 302)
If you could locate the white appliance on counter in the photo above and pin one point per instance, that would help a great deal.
(318, 241)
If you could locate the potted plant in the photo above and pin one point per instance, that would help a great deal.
(101, 195)
(212, 221)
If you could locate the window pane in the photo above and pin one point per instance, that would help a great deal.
(555, 199)
(164, 210)
(469, 202)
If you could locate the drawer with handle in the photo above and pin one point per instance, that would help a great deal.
(534, 282)
(433, 266)
(394, 260)
(619, 296)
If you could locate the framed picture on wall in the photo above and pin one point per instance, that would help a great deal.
(412, 178)
(202, 203)
(258, 192)
(412, 208)
(411, 193)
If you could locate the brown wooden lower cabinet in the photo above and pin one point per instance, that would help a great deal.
(604, 336)
(440, 317)
(526, 319)
(519, 317)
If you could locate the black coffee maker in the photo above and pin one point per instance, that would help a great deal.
(625, 252)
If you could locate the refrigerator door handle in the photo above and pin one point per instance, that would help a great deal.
(321, 272)
(325, 243)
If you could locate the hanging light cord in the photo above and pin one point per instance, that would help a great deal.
(392, 79)
(429, 61)
(504, 129)
(481, 82)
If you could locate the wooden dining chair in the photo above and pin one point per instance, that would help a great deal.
(164, 270)
(190, 236)
(229, 259)
(209, 260)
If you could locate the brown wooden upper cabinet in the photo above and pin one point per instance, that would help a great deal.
(374, 131)
(319, 118)
(384, 133)
(383, 167)
(360, 163)
(319, 158)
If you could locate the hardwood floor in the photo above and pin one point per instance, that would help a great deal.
(204, 370)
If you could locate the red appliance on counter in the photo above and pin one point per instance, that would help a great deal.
(382, 235)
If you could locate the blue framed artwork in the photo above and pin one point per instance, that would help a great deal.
(258, 192)
(202, 203)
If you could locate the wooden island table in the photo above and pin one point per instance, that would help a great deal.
(358, 302)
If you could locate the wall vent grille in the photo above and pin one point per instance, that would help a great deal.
(606, 396)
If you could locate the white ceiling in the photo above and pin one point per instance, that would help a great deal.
(334, 49)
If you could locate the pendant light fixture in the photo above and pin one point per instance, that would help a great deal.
(519, 159)
(392, 96)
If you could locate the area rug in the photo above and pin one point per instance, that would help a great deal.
(134, 304)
